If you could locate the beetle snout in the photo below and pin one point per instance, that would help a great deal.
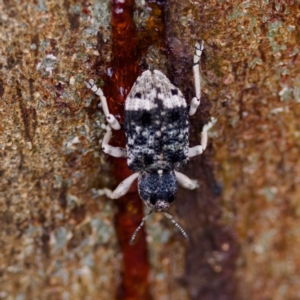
(162, 205)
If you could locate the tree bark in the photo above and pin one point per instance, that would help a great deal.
(58, 234)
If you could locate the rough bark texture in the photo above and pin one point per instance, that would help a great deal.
(58, 239)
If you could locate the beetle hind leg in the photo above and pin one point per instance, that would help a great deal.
(111, 119)
(197, 79)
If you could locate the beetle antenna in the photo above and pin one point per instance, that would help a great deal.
(139, 228)
(176, 224)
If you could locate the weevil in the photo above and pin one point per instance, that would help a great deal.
(156, 123)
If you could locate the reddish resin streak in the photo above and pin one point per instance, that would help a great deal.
(125, 70)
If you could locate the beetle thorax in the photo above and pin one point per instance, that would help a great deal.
(157, 189)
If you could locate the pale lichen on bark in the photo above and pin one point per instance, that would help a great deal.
(57, 230)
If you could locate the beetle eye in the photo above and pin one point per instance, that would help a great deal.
(171, 199)
(153, 199)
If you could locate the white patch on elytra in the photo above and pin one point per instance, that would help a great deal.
(150, 87)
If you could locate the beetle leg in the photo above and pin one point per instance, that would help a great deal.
(197, 79)
(197, 150)
(124, 186)
(111, 150)
(186, 182)
(194, 151)
(111, 119)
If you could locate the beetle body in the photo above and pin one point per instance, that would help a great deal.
(157, 136)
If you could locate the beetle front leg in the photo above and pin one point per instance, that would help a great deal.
(197, 150)
(111, 119)
(185, 181)
(124, 186)
(111, 150)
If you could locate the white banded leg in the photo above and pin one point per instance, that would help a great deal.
(197, 79)
(197, 150)
(124, 186)
(185, 181)
(110, 118)
(111, 150)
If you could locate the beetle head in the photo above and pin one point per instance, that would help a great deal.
(158, 189)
